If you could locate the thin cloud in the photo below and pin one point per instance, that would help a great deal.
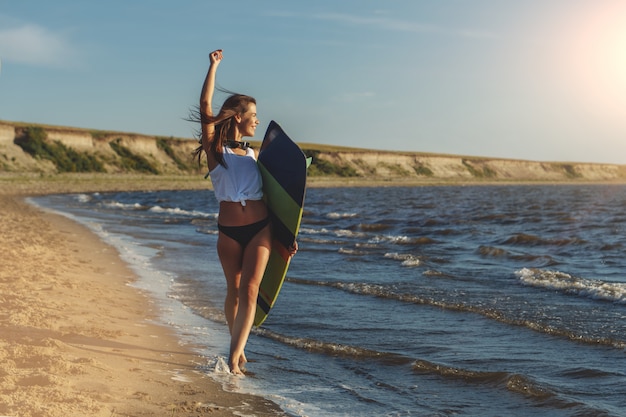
(35, 45)
(385, 23)
(379, 22)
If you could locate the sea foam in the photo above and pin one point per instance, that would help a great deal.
(560, 281)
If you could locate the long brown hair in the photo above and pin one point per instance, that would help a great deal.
(224, 123)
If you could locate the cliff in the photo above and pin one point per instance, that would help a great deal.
(468, 168)
(50, 149)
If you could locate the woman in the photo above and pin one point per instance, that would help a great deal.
(244, 240)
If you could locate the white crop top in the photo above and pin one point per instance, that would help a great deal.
(239, 180)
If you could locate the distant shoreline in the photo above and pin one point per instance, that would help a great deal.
(12, 183)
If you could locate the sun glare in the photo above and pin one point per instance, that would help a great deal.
(598, 57)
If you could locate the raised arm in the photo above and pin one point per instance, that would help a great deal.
(206, 98)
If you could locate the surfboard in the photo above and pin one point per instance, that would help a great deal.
(283, 167)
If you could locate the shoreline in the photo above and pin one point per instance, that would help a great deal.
(76, 339)
(31, 184)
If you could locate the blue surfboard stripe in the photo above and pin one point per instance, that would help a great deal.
(264, 306)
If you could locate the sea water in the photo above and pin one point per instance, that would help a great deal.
(426, 301)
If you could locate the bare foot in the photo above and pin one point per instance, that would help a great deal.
(234, 369)
(237, 367)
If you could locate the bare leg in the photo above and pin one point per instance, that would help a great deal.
(254, 261)
(231, 255)
(243, 275)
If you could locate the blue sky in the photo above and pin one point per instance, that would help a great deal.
(534, 79)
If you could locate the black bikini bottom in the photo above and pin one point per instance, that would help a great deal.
(244, 234)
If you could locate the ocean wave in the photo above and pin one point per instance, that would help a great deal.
(491, 251)
(513, 382)
(392, 293)
(366, 237)
(523, 239)
(311, 231)
(406, 258)
(176, 211)
(318, 241)
(402, 240)
(375, 227)
(333, 349)
(349, 234)
(124, 206)
(345, 233)
(495, 252)
(582, 372)
(83, 198)
(540, 260)
(180, 212)
(367, 245)
(337, 216)
(207, 231)
(560, 281)
(433, 273)
(353, 252)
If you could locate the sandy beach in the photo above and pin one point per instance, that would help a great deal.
(75, 338)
